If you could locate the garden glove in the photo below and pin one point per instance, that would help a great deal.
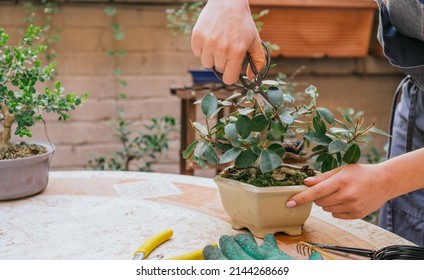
(244, 247)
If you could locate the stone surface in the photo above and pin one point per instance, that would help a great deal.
(107, 215)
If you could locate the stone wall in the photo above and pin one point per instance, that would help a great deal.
(157, 60)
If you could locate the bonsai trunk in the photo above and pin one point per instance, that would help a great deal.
(6, 133)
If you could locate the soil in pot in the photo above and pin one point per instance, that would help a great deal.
(21, 150)
(281, 176)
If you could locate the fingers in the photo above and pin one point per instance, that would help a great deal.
(213, 253)
(321, 177)
(249, 245)
(315, 192)
(232, 249)
(270, 246)
(257, 53)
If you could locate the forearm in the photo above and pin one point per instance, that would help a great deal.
(404, 173)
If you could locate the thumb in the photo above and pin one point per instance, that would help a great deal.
(257, 53)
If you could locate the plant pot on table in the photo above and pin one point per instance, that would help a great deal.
(262, 210)
(23, 177)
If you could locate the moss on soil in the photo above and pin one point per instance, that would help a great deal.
(281, 176)
(21, 150)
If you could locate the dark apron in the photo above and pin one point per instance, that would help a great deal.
(404, 215)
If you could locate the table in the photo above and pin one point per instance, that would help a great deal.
(188, 95)
(105, 215)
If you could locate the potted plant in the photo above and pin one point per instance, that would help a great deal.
(24, 166)
(251, 136)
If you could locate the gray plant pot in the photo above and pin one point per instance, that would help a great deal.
(26, 176)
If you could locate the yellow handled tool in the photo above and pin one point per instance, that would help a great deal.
(153, 242)
(195, 255)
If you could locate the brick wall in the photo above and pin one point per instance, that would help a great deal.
(155, 61)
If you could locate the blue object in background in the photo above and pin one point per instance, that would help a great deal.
(204, 76)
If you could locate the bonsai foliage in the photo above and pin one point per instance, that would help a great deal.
(138, 152)
(255, 131)
(22, 75)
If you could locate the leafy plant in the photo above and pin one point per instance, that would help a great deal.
(42, 13)
(253, 134)
(22, 75)
(138, 152)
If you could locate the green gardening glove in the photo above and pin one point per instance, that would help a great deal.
(244, 247)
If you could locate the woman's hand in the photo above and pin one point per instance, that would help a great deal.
(223, 34)
(348, 192)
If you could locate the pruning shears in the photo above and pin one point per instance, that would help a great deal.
(256, 82)
(153, 242)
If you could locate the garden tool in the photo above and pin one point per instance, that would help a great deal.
(307, 249)
(256, 83)
(152, 243)
(244, 247)
(394, 252)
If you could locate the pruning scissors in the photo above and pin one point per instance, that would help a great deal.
(153, 242)
(256, 82)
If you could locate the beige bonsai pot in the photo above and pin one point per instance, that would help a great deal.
(262, 210)
(25, 176)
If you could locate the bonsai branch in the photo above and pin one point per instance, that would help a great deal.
(302, 157)
(8, 120)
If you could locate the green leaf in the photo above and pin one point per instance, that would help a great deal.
(230, 155)
(317, 138)
(347, 118)
(256, 149)
(211, 155)
(326, 114)
(246, 158)
(243, 126)
(190, 149)
(259, 123)
(231, 131)
(312, 91)
(277, 129)
(275, 96)
(237, 94)
(323, 157)
(110, 11)
(319, 125)
(250, 95)
(286, 117)
(277, 148)
(201, 128)
(379, 131)
(329, 164)
(201, 162)
(246, 111)
(209, 104)
(269, 160)
(353, 154)
(200, 149)
(336, 146)
(335, 130)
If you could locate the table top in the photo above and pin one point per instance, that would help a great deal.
(104, 215)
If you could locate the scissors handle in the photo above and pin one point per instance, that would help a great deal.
(258, 75)
(147, 247)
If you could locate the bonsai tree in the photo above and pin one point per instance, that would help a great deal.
(252, 135)
(22, 98)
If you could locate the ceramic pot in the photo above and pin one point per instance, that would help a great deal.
(25, 176)
(262, 210)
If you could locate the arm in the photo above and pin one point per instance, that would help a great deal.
(353, 191)
(223, 34)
